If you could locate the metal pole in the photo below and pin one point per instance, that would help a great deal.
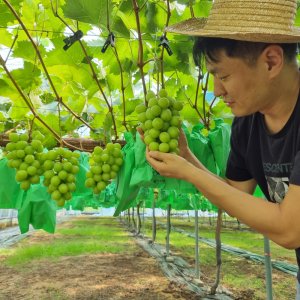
(197, 266)
(268, 268)
(168, 230)
(153, 216)
(10, 216)
(267, 251)
(143, 221)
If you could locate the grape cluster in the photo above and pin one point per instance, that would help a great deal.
(24, 156)
(160, 121)
(104, 166)
(60, 167)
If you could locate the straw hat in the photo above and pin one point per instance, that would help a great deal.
(269, 21)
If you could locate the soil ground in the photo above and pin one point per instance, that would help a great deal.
(89, 277)
(101, 276)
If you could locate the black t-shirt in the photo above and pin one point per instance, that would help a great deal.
(273, 160)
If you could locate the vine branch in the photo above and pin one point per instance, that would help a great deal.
(43, 65)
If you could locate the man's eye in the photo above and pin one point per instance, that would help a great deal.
(222, 78)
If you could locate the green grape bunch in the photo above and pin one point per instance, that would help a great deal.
(104, 166)
(160, 121)
(60, 167)
(23, 155)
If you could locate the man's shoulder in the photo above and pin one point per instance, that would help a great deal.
(245, 123)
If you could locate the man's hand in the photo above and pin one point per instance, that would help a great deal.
(169, 165)
(182, 144)
(141, 132)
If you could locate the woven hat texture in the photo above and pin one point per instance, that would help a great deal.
(247, 20)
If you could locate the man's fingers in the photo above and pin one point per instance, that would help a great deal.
(140, 130)
(157, 155)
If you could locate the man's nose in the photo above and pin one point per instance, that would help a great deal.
(219, 89)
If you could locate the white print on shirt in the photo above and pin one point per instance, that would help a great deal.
(277, 187)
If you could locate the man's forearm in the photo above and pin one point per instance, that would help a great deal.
(255, 212)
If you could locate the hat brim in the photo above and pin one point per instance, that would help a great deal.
(198, 27)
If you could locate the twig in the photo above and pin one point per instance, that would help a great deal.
(195, 106)
(12, 46)
(163, 48)
(205, 116)
(141, 51)
(122, 88)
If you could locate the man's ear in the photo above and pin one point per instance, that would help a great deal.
(273, 58)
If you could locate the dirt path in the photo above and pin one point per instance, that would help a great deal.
(97, 276)
(109, 276)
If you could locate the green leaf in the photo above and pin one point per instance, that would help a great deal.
(98, 120)
(6, 15)
(25, 50)
(28, 77)
(88, 11)
(130, 106)
(3, 117)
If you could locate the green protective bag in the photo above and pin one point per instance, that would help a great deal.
(205, 205)
(81, 193)
(201, 147)
(259, 193)
(81, 189)
(180, 186)
(165, 198)
(195, 201)
(220, 142)
(182, 202)
(143, 175)
(38, 210)
(145, 195)
(77, 203)
(124, 192)
(11, 195)
(109, 199)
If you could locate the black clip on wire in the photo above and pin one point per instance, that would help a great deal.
(69, 41)
(165, 43)
(109, 41)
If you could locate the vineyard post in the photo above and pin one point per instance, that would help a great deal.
(168, 230)
(153, 215)
(268, 268)
(139, 223)
(218, 252)
(197, 266)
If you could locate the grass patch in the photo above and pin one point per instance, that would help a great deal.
(247, 240)
(84, 237)
(237, 273)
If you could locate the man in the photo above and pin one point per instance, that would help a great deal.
(250, 48)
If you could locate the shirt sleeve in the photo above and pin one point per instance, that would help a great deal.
(237, 169)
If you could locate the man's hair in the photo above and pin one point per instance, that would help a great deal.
(209, 49)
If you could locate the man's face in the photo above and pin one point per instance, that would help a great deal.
(242, 87)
